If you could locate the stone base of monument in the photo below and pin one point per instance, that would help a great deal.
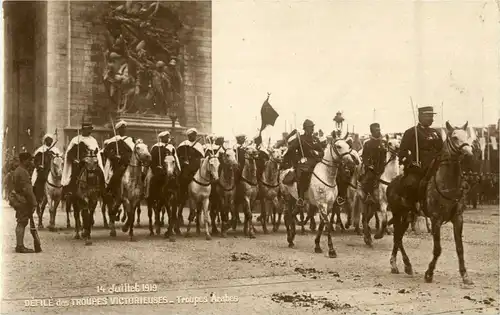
(145, 127)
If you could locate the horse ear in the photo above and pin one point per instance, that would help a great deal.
(346, 135)
(464, 127)
(449, 127)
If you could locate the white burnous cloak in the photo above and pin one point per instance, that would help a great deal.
(91, 143)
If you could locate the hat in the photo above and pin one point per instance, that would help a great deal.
(120, 124)
(160, 64)
(191, 130)
(241, 137)
(47, 136)
(307, 123)
(164, 134)
(374, 125)
(87, 124)
(426, 110)
(25, 156)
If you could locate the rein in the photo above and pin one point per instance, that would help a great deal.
(234, 181)
(334, 162)
(272, 160)
(243, 178)
(201, 176)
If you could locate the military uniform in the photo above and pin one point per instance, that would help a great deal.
(374, 155)
(115, 163)
(78, 149)
(430, 144)
(22, 187)
(304, 165)
(190, 154)
(42, 160)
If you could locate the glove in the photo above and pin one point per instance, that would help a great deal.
(76, 161)
(39, 168)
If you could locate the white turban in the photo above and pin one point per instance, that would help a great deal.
(191, 130)
(121, 123)
(46, 136)
(164, 133)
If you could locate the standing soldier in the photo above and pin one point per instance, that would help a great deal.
(374, 153)
(430, 143)
(77, 150)
(24, 210)
(304, 152)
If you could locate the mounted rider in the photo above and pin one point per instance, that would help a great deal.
(214, 144)
(42, 159)
(116, 162)
(304, 152)
(430, 143)
(77, 150)
(374, 154)
(190, 153)
(239, 148)
(158, 153)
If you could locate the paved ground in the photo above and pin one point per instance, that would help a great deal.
(255, 276)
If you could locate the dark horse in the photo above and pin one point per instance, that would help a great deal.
(444, 200)
(89, 185)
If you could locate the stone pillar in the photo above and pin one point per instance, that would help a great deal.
(58, 67)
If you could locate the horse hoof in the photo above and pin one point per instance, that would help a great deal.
(112, 233)
(332, 254)
(275, 229)
(171, 239)
(378, 236)
(409, 270)
(68, 226)
(151, 233)
(468, 281)
(158, 231)
(266, 231)
(428, 277)
(291, 245)
(187, 235)
(77, 237)
(132, 239)
(223, 235)
(40, 226)
(395, 270)
(106, 226)
(52, 229)
(208, 238)
(124, 229)
(88, 242)
(178, 232)
(318, 250)
(303, 232)
(252, 236)
(137, 225)
(368, 241)
(162, 224)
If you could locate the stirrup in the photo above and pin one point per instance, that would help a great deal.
(340, 200)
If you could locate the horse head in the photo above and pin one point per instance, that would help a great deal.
(340, 151)
(393, 146)
(212, 163)
(276, 155)
(56, 167)
(90, 161)
(169, 164)
(251, 153)
(458, 140)
(141, 151)
(229, 157)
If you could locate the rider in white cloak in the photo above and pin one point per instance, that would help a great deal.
(39, 161)
(121, 129)
(72, 156)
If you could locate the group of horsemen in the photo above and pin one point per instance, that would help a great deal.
(303, 153)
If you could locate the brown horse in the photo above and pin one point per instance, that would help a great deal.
(247, 190)
(88, 190)
(445, 202)
(226, 187)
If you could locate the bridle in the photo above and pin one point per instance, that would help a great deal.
(336, 162)
(231, 167)
(53, 175)
(278, 163)
(248, 157)
(210, 181)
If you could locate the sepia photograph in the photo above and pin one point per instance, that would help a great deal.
(256, 156)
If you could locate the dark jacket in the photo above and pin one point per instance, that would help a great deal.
(311, 147)
(22, 185)
(430, 144)
(374, 154)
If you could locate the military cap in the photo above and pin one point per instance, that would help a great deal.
(47, 136)
(164, 134)
(426, 110)
(240, 136)
(121, 123)
(307, 123)
(191, 130)
(25, 156)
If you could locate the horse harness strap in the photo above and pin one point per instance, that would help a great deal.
(200, 183)
(227, 189)
(329, 186)
(247, 181)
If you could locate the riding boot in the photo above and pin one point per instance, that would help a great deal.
(20, 240)
(301, 188)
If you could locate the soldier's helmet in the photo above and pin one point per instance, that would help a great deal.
(307, 123)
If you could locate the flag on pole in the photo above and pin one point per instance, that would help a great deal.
(267, 114)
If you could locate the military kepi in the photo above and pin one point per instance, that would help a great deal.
(426, 110)
(374, 125)
(307, 123)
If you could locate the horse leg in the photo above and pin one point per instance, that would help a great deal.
(458, 223)
(292, 225)
(104, 219)
(85, 212)
(276, 212)
(356, 213)
(138, 208)
(68, 210)
(338, 222)
(248, 217)
(76, 213)
(428, 224)
(150, 215)
(406, 260)
(112, 216)
(395, 242)
(192, 214)
(213, 209)
(288, 218)
(381, 214)
(52, 213)
(206, 218)
(130, 207)
(263, 212)
(321, 227)
(162, 221)
(436, 235)
(367, 216)
(171, 204)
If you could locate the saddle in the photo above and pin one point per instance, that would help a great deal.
(290, 177)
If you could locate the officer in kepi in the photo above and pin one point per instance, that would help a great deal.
(304, 152)
(374, 153)
(417, 173)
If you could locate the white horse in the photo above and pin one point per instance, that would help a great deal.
(322, 191)
(53, 189)
(199, 190)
